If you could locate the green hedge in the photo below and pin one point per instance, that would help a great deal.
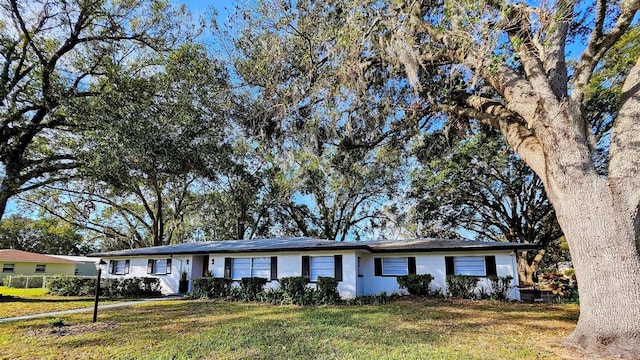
(327, 291)
(415, 284)
(211, 287)
(250, 287)
(462, 286)
(111, 287)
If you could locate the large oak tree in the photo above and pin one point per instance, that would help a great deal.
(54, 56)
(504, 64)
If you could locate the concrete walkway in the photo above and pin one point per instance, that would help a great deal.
(86, 309)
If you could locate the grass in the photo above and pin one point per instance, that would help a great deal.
(19, 302)
(181, 329)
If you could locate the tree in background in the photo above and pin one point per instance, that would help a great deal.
(151, 150)
(44, 236)
(56, 56)
(331, 171)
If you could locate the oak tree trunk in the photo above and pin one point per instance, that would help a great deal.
(600, 233)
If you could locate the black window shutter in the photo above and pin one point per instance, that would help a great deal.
(227, 268)
(274, 268)
(377, 266)
(168, 266)
(149, 266)
(112, 266)
(305, 266)
(337, 263)
(126, 266)
(411, 261)
(448, 261)
(490, 265)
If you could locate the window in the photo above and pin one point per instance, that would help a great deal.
(7, 268)
(468, 265)
(394, 266)
(239, 268)
(40, 268)
(321, 266)
(119, 267)
(159, 266)
(471, 265)
(325, 266)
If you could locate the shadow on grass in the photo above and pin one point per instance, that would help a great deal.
(266, 331)
(10, 298)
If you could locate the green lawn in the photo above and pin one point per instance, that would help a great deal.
(18, 302)
(216, 330)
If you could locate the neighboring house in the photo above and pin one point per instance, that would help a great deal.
(18, 262)
(362, 268)
(85, 266)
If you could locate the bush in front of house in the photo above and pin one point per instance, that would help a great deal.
(500, 286)
(211, 287)
(113, 287)
(250, 287)
(462, 286)
(72, 286)
(295, 290)
(417, 285)
(327, 290)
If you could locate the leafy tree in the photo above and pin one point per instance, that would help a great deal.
(331, 172)
(45, 236)
(476, 184)
(56, 55)
(152, 147)
(500, 63)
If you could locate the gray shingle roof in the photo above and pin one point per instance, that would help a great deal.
(312, 244)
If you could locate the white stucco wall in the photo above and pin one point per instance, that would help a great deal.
(138, 268)
(290, 264)
(434, 264)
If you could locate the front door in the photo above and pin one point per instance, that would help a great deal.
(205, 264)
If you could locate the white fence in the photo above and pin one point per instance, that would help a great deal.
(33, 281)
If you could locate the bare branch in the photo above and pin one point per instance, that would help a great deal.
(599, 44)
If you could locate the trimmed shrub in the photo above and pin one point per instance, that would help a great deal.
(380, 299)
(462, 286)
(295, 290)
(500, 286)
(110, 287)
(273, 296)
(211, 287)
(113, 287)
(327, 290)
(71, 286)
(250, 287)
(415, 284)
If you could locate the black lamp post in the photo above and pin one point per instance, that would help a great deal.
(95, 305)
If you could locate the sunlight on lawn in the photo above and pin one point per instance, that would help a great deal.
(19, 302)
(205, 329)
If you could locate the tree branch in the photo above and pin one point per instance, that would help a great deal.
(599, 44)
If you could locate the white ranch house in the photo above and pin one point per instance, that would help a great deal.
(362, 268)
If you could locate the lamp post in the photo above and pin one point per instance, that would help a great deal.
(95, 305)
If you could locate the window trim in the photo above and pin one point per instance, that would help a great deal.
(337, 267)
(5, 268)
(489, 261)
(43, 270)
(113, 265)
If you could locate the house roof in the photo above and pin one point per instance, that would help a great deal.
(312, 244)
(74, 258)
(25, 256)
